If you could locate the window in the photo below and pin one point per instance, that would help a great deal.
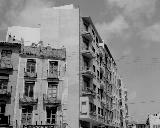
(2, 108)
(102, 112)
(99, 91)
(83, 108)
(101, 75)
(86, 64)
(94, 68)
(29, 91)
(52, 89)
(97, 41)
(27, 115)
(86, 42)
(51, 115)
(92, 107)
(97, 74)
(99, 110)
(93, 49)
(97, 56)
(6, 57)
(31, 65)
(93, 32)
(53, 68)
(6, 53)
(86, 82)
(83, 103)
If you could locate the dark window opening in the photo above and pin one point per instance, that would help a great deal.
(94, 68)
(29, 89)
(86, 82)
(51, 115)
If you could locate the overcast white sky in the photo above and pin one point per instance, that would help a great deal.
(131, 28)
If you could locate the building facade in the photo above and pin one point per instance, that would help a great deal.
(32, 79)
(123, 104)
(9, 58)
(153, 121)
(99, 90)
(75, 86)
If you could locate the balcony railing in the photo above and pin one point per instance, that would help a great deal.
(30, 74)
(87, 35)
(93, 115)
(4, 120)
(53, 75)
(100, 118)
(50, 100)
(6, 64)
(27, 100)
(88, 72)
(88, 91)
(88, 53)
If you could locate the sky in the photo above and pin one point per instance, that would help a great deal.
(130, 28)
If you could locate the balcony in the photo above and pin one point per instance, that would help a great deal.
(4, 120)
(88, 91)
(31, 75)
(100, 118)
(53, 76)
(5, 93)
(88, 72)
(47, 100)
(93, 115)
(6, 65)
(88, 53)
(87, 35)
(25, 100)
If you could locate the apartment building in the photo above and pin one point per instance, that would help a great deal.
(9, 58)
(81, 90)
(99, 91)
(123, 104)
(32, 79)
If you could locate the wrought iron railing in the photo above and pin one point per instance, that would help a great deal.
(50, 100)
(27, 100)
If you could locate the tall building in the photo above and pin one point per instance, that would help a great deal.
(75, 86)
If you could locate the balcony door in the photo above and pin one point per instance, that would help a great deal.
(86, 82)
(29, 89)
(51, 115)
(26, 117)
(53, 68)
